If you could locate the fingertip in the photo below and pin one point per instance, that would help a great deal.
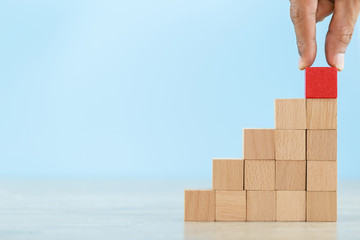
(301, 65)
(305, 62)
(339, 61)
(336, 60)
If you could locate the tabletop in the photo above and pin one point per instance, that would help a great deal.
(143, 209)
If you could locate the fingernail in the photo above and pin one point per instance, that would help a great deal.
(301, 64)
(339, 61)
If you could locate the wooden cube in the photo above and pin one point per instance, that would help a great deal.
(290, 113)
(321, 113)
(290, 145)
(228, 174)
(259, 174)
(200, 205)
(321, 145)
(290, 175)
(321, 207)
(261, 205)
(290, 206)
(322, 176)
(258, 144)
(230, 206)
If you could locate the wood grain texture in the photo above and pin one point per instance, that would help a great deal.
(290, 206)
(321, 145)
(259, 175)
(290, 113)
(261, 206)
(228, 174)
(291, 175)
(258, 144)
(321, 207)
(321, 176)
(230, 206)
(321, 113)
(290, 145)
(199, 205)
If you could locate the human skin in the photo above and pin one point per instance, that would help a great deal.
(306, 13)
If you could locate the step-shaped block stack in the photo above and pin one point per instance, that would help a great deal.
(288, 173)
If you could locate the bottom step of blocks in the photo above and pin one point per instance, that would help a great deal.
(260, 206)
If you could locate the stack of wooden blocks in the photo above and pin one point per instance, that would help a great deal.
(288, 173)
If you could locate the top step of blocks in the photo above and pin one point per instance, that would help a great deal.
(321, 82)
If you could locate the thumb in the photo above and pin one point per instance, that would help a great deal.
(340, 32)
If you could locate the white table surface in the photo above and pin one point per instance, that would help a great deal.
(124, 209)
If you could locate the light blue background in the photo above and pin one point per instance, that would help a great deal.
(151, 89)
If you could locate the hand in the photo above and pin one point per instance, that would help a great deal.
(306, 13)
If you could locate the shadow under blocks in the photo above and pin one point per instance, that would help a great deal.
(286, 174)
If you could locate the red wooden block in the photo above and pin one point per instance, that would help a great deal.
(321, 82)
